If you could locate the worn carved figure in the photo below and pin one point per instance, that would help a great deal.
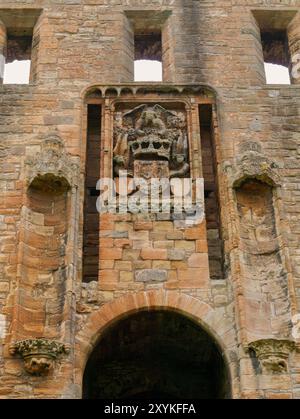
(151, 141)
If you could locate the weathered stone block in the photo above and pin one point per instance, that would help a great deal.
(176, 254)
(151, 275)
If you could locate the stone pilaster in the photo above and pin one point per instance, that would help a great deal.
(2, 50)
(294, 45)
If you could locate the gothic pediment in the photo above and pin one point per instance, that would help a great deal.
(252, 164)
(52, 166)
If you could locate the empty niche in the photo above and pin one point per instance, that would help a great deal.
(44, 238)
(264, 277)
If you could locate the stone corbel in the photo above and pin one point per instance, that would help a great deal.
(52, 169)
(273, 354)
(39, 355)
(252, 164)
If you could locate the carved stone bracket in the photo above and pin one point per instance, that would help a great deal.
(39, 355)
(252, 164)
(273, 354)
(52, 168)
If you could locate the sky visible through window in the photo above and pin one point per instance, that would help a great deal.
(18, 72)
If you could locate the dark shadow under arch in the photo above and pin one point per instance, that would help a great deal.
(156, 354)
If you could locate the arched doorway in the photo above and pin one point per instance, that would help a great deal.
(156, 354)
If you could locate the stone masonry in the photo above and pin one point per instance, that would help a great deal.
(67, 273)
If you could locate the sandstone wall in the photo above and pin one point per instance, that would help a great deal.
(83, 43)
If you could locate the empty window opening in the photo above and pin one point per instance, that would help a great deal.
(276, 43)
(18, 59)
(276, 57)
(277, 74)
(211, 194)
(19, 44)
(91, 215)
(148, 57)
(146, 70)
(17, 72)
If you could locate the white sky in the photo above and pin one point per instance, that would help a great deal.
(18, 72)
(277, 74)
(147, 70)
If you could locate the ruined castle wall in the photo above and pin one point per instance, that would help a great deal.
(84, 43)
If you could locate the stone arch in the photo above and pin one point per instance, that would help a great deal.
(93, 93)
(222, 332)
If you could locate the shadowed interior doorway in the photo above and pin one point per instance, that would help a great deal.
(156, 354)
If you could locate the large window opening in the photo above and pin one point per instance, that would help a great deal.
(156, 355)
(277, 58)
(211, 193)
(148, 57)
(18, 59)
(150, 47)
(19, 42)
(91, 215)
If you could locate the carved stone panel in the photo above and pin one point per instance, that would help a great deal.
(52, 168)
(151, 141)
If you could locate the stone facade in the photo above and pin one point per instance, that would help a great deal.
(66, 273)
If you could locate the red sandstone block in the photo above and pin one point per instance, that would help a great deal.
(111, 253)
(198, 260)
(122, 265)
(126, 276)
(107, 286)
(201, 246)
(109, 275)
(139, 235)
(165, 226)
(143, 225)
(178, 264)
(107, 264)
(195, 233)
(194, 277)
(106, 225)
(9, 220)
(270, 395)
(131, 255)
(171, 285)
(106, 242)
(123, 243)
(155, 254)
(172, 276)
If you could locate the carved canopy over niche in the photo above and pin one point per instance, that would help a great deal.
(252, 164)
(52, 169)
(151, 141)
